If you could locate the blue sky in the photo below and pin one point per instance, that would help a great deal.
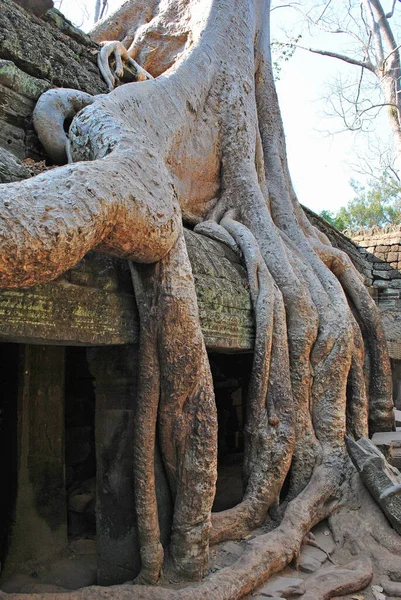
(320, 163)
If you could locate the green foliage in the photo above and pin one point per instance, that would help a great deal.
(379, 203)
(282, 52)
(334, 219)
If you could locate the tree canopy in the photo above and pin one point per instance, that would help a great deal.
(377, 203)
(369, 33)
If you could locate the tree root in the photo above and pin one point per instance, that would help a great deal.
(172, 349)
(124, 202)
(120, 53)
(52, 110)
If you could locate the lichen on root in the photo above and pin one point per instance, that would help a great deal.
(203, 142)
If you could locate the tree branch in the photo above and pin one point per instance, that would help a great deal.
(390, 53)
(390, 14)
(348, 59)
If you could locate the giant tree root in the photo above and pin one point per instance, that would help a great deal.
(336, 581)
(264, 556)
(204, 142)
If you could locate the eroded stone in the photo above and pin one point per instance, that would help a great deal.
(311, 559)
(283, 587)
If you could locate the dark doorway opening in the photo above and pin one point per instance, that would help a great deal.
(80, 456)
(231, 374)
(8, 440)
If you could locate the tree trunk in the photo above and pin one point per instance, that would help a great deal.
(204, 142)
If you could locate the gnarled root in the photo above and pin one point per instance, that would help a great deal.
(308, 342)
(120, 53)
(175, 384)
(52, 110)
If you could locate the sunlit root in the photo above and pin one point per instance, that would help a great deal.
(50, 118)
(137, 149)
(120, 53)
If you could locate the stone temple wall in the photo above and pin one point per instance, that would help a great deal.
(381, 247)
(50, 53)
(381, 251)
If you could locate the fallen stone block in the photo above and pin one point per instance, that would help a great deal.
(382, 479)
(392, 588)
(338, 580)
(311, 559)
(283, 587)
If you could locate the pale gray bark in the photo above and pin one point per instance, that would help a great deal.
(204, 141)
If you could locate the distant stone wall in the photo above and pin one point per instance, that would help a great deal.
(381, 248)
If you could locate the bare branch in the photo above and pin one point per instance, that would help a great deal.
(379, 106)
(366, 64)
(324, 10)
(390, 14)
(390, 53)
(290, 5)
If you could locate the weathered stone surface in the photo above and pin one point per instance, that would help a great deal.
(93, 304)
(391, 588)
(63, 57)
(12, 138)
(324, 537)
(337, 580)
(118, 558)
(82, 497)
(283, 587)
(15, 79)
(83, 546)
(384, 438)
(382, 480)
(11, 169)
(263, 597)
(311, 559)
(71, 573)
(40, 529)
(37, 7)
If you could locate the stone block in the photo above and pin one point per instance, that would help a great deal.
(382, 266)
(381, 274)
(392, 588)
(392, 257)
(283, 587)
(17, 80)
(14, 107)
(11, 168)
(37, 7)
(40, 529)
(331, 581)
(384, 438)
(118, 558)
(12, 138)
(382, 480)
(311, 559)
